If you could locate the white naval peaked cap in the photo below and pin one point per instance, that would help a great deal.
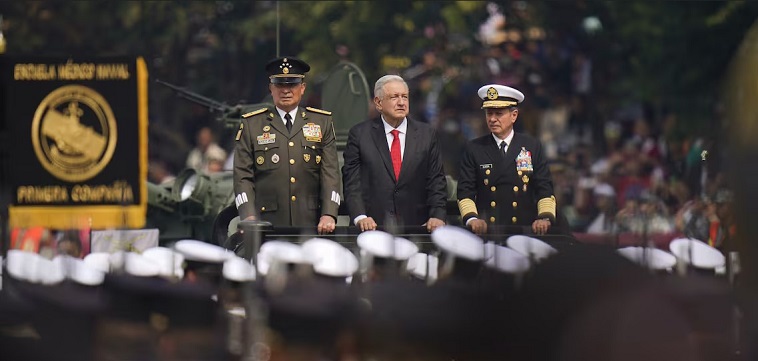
(195, 250)
(238, 269)
(279, 251)
(499, 96)
(330, 258)
(384, 245)
(504, 259)
(459, 242)
(423, 266)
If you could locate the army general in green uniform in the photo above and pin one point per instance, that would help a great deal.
(286, 169)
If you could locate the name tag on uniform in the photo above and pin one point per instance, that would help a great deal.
(266, 138)
(485, 166)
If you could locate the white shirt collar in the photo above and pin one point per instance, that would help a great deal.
(403, 127)
(507, 139)
(293, 113)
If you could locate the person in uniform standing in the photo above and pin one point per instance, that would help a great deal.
(504, 176)
(286, 169)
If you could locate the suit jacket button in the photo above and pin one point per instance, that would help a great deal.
(493, 188)
(515, 204)
(492, 219)
(513, 219)
(487, 172)
(292, 161)
(292, 179)
(292, 144)
(263, 209)
(515, 189)
(294, 198)
(493, 204)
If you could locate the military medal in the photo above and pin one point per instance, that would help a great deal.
(275, 158)
(524, 161)
(312, 132)
(303, 115)
(259, 160)
(318, 159)
(306, 157)
(266, 128)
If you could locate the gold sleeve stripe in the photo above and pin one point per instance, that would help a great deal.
(497, 103)
(325, 112)
(546, 206)
(467, 206)
(254, 112)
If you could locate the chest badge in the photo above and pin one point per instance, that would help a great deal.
(318, 159)
(306, 157)
(312, 132)
(524, 161)
(266, 128)
(275, 158)
(266, 138)
(259, 160)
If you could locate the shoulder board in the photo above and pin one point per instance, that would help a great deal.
(254, 112)
(319, 111)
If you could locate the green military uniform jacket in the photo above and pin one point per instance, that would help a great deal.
(288, 178)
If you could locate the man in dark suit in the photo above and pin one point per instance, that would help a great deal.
(393, 167)
(504, 176)
(286, 169)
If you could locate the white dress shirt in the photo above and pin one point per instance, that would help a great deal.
(292, 113)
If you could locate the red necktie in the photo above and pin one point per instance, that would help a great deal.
(395, 153)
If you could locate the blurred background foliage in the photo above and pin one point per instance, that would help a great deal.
(670, 53)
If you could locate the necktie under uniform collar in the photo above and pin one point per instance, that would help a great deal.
(288, 118)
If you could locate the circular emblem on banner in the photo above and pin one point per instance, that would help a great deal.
(74, 133)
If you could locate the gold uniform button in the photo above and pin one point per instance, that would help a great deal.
(263, 209)
(515, 204)
(292, 179)
(515, 188)
(292, 161)
(487, 172)
(493, 188)
(294, 198)
(493, 204)
(513, 219)
(492, 219)
(292, 144)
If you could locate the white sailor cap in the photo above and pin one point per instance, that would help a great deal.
(170, 262)
(531, 247)
(423, 266)
(504, 259)
(383, 245)
(79, 271)
(238, 269)
(459, 242)
(499, 96)
(604, 189)
(330, 258)
(194, 250)
(33, 268)
(279, 252)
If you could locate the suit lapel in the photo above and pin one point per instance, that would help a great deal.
(380, 141)
(411, 152)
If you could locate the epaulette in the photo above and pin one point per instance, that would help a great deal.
(325, 112)
(254, 112)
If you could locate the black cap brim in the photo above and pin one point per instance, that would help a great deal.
(286, 80)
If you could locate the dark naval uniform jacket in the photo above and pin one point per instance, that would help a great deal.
(514, 189)
(288, 178)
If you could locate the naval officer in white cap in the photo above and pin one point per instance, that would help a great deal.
(504, 176)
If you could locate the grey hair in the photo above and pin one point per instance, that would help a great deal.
(379, 87)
